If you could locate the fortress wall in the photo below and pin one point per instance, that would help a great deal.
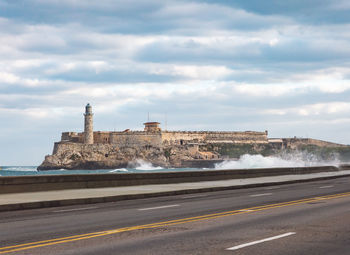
(237, 137)
(99, 137)
(295, 142)
(135, 139)
(66, 136)
(324, 143)
(55, 148)
(214, 137)
(102, 137)
(132, 138)
(72, 137)
(68, 148)
(142, 138)
(63, 147)
(176, 137)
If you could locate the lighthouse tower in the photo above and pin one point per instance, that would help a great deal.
(88, 125)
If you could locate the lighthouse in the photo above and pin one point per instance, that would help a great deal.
(88, 125)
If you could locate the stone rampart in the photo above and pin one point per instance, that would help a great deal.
(296, 142)
(102, 137)
(80, 148)
(72, 137)
(136, 139)
(179, 137)
(142, 138)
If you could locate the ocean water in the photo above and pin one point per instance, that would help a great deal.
(31, 170)
(244, 162)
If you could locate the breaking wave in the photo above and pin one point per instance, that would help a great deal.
(146, 166)
(288, 160)
(119, 170)
(19, 168)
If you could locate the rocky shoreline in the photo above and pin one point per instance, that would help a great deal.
(73, 156)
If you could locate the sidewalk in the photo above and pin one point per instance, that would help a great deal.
(30, 200)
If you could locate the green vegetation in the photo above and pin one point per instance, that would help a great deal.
(167, 153)
(235, 151)
(74, 157)
(327, 153)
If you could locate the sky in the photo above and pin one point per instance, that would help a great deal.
(281, 66)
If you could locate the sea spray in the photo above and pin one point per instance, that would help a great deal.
(119, 170)
(298, 159)
(140, 164)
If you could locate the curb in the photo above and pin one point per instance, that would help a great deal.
(95, 200)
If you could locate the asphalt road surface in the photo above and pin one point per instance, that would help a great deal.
(307, 218)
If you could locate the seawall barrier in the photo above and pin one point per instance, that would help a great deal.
(20, 184)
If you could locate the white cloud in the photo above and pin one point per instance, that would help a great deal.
(34, 113)
(207, 63)
(8, 78)
(192, 71)
(319, 109)
(266, 90)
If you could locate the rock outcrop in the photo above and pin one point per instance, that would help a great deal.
(109, 156)
(69, 155)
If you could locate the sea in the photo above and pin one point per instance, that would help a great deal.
(244, 162)
(32, 170)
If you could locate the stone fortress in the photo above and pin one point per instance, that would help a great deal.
(116, 149)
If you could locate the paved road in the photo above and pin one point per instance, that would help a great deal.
(288, 219)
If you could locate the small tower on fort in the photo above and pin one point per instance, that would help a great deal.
(152, 127)
(88, 125)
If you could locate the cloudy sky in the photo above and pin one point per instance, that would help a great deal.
(281, 66)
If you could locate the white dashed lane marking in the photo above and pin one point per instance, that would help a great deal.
(269, 188)
(260, 241)
(327, 187)
(158, 207)
(194, 196)
(260, 195)
(76, 209)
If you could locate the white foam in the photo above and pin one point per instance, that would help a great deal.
(259, 161)
(119, 170)
(20, 168)
(146, 166)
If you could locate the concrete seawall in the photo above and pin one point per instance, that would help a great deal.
(20, 184)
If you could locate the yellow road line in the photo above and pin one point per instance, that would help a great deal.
(45, 241)
(67, 239)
